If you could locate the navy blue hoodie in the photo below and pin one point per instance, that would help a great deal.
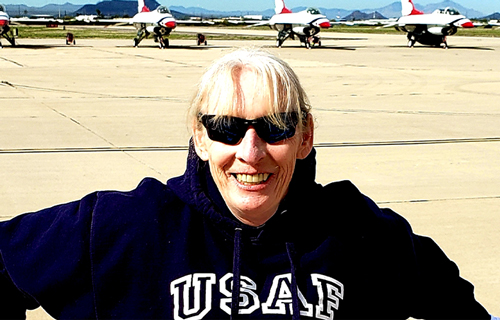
(172, 251)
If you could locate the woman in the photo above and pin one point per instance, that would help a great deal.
(252, 171)
(245, 232)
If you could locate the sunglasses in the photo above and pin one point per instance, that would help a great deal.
(230, 130)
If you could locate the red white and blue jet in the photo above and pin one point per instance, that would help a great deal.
(429, 29)
(305, 25)
(159, 22)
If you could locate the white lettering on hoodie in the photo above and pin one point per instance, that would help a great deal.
(192, 296)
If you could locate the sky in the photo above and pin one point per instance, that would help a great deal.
(484, 6)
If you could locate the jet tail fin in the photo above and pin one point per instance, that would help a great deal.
(408, 8)
(142, 6)
(279, 7)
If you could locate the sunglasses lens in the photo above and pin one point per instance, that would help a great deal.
(223, 129)
(230, 130)
(272, 133)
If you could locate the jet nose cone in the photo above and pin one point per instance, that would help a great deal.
(171, 24)
(467, 24)
(168, 23)
(325, 24)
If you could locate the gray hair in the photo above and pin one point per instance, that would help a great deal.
(218, 89)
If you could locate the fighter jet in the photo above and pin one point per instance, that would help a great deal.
(429, 29)
(159, 22)
(304, 24)
(5, 30)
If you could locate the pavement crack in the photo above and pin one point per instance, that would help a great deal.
(99, 95)
(12, 61)
(7, 83)
(405, 142)
(438, 200)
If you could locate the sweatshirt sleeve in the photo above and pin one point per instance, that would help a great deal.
(437, 289)
(13, 303)
(441, 292)
(45, 260)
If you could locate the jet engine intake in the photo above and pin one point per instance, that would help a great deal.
(440, 31)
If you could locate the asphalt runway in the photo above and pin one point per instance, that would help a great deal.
(416, 129)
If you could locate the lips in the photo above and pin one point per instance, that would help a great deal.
(252, 179)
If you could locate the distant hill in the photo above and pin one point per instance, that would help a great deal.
(390, 11)
(205, 13)
(129, 8)
(18, 10)
(394, 9)
(494, 16)
(115, 7)
(470, 13)
(358, 15)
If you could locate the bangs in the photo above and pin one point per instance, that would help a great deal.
(220, 92)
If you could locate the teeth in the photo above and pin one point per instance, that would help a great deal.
(252, 178)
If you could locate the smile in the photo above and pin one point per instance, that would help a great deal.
(252, 178)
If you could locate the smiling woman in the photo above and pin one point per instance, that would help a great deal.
(261, 103)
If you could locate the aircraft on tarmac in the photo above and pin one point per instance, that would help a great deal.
(304, 24)
(40, 19)
(429, 29)
(5, 30)
(493, 23)
(160, 22)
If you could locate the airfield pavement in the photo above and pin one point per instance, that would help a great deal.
(417, 130)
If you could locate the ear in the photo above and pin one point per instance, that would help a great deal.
(200, 143)
(307, 139)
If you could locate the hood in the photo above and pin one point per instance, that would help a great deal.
(197, 189)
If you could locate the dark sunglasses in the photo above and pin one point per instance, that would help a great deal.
(230, 130)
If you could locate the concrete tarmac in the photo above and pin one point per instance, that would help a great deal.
(416, 129)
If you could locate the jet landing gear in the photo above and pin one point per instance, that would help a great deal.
(10, 37)
(159, 33)
(282, 36)
(162, 42)
(141, 34)
(444, 44)
(411, 40)
(427, 39)
(311, 41)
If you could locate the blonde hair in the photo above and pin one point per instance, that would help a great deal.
(219, 89)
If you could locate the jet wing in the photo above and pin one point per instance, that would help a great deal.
(263, 23)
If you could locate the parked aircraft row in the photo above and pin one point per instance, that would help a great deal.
(428, 29)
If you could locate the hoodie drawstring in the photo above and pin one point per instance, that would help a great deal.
(290, 249)
(235, 298)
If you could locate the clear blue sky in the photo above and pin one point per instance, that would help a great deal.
(484, 6)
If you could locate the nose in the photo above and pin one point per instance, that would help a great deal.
(251, 148)
(171, 24)
(467, 24)
(325, 24)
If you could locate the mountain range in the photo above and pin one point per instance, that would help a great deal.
(129, 8)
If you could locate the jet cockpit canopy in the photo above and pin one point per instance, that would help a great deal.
(313, 10)
(163, 9)
(448, 10)
(2, 8)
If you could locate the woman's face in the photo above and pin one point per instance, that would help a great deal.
(253, 176)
